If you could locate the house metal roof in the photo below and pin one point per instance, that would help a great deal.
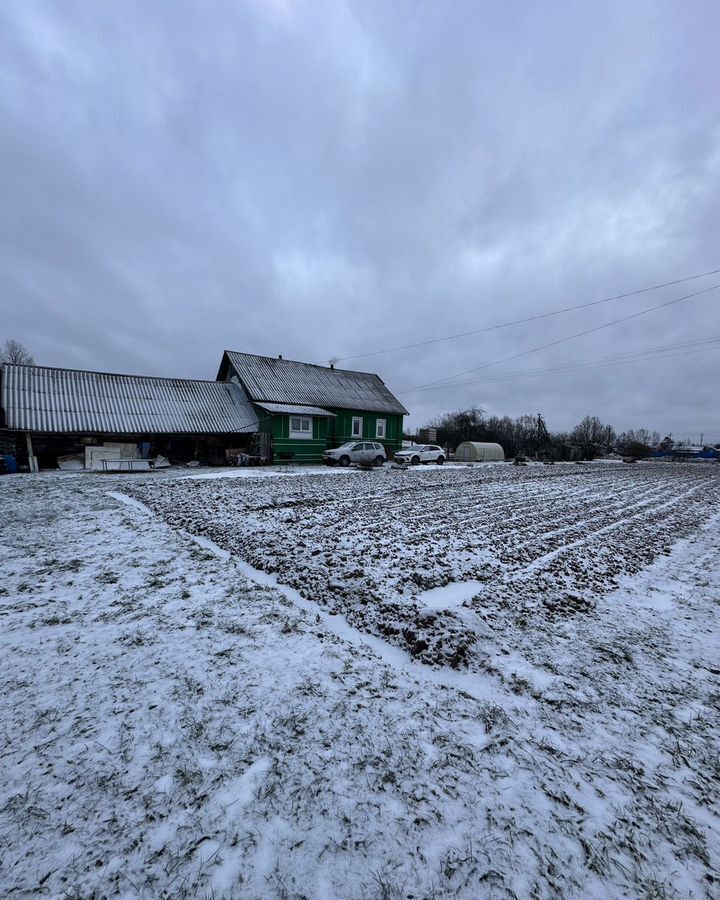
(267, 379)
(43, 399)
(295, 410)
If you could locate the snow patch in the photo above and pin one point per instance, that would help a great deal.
(450, 595)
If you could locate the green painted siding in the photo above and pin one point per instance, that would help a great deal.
(393, 427)
(296, 450)
(328, 433)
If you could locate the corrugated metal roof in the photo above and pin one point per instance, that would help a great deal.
(42, 399)
(294, 410)
(267, 379)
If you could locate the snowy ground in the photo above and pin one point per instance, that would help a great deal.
(175, 723)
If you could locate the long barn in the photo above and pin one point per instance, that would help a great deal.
(51, 412)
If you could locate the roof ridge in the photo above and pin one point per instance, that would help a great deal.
(298, 362)
(114, 374)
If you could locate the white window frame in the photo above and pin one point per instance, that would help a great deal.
(381, 428)
(357, 433)
(303, 433)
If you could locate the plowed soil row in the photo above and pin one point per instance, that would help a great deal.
(544, 542)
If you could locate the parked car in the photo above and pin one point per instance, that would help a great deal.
(365, 452)
(421, 453)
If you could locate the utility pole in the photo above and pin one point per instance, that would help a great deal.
(542, 437)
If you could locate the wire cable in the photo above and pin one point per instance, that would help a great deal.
(534, 318)
(579, 368)
(645, 355)
(562, 340)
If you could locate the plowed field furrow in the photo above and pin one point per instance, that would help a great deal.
(599, 520)
(551, 539)
(598, 534)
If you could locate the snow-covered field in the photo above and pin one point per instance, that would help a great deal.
(446, 682)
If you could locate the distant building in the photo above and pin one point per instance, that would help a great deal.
(682, 452)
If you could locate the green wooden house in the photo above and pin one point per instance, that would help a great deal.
(308, 409)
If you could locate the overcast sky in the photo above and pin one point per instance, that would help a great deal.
(324, 180)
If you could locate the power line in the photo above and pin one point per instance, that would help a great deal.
(561, 340)
(645, 355)
(534, 318)
(578, 368)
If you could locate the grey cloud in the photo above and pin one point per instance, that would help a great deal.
(324, 179)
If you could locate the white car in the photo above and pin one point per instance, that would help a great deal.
(421, 453)
(365, 452)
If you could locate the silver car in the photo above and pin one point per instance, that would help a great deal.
(364, 452)
(421, 453)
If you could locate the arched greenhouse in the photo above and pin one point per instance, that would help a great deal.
(475, 451)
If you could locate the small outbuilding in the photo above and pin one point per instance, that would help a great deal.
(475, 451)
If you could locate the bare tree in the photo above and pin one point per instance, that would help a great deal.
(592, 437)
(634, 444)
(15, 354)
(455, 427)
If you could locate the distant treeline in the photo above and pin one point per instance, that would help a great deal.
(528, 436)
